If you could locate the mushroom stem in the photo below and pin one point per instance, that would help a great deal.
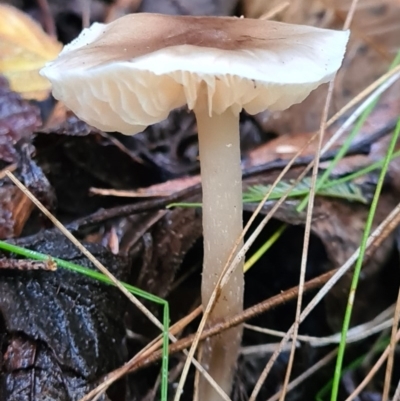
(221, 176)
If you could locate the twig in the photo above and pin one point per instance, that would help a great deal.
(396, 396)
(307, 231)
(364, 93)
(357, 113)
(121, 211)
(392, 346)
(373, 371)
(48, 20)
(357, 333)
(3, 172)
(306, 239)
(85, 4)
(143, 354)
(247, 314)
(275, 10)
(305, 375)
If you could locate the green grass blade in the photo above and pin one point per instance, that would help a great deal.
(264, 248)
(361, 172)
(357, 269)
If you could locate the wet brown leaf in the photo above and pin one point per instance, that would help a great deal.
(18, 119)
(15, 209)
(162, 246)
(81, 337)
(285, 146)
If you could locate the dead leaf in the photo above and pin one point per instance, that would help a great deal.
(63, 122)
(285, 146)
(24, 49)
(15, 209)
(50, 355)
(165, 247)
(18, 119)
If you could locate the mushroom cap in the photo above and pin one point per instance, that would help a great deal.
(131, 73)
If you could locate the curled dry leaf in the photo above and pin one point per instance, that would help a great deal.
(24, 49)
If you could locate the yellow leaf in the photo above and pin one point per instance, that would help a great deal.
(24, 49)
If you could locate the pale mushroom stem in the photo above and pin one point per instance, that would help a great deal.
(221, 177)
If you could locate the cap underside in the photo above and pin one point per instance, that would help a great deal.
(124, 83)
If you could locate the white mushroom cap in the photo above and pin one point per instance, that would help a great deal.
(132, 72)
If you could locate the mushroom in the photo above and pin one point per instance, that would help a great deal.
(132, 72)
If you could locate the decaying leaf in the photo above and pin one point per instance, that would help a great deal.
(18, 119)
(61, 331)
(162, 247)
(285, 146)
(15, 208)
(24, 49)
(63, 122)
